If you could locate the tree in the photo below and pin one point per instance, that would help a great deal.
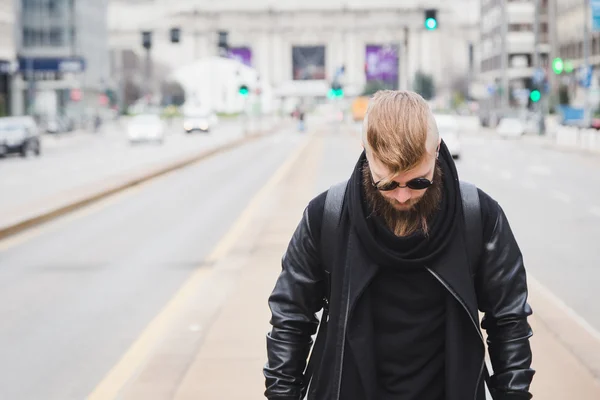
(172, 93)
(132, 92)
(373, 87)
(424, 85)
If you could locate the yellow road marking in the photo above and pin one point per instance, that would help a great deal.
(142, 348)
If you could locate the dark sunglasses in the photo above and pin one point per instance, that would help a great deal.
(415, 184)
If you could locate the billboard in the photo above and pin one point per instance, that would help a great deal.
(382, 64)
(308, 62)
(242, 54)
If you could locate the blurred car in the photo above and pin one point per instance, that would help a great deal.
(19, 135)
(510, 127)
(146, 128)
(56, 124)
(448, 128)
(201, 122)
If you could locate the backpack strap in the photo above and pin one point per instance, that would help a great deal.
(474, 234)
(473, 225)
(332, 213)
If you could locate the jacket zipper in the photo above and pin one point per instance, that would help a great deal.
(470, 317)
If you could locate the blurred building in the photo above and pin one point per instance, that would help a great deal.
(569, 45)
(298, 47)
(63, 59)
(7, 53)
(128, 76)
(507, 48)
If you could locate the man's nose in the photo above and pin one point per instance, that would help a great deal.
(402, 195)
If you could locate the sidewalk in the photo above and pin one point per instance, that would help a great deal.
(222, 356)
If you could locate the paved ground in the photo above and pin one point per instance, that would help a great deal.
(72, 162)
(160, 293)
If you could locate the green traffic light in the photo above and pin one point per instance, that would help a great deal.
(430, 24)
(535, 96)
(335, 93)
(568, 66)
(244, 90)
(558, 65)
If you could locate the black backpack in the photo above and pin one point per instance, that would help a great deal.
(332, 213)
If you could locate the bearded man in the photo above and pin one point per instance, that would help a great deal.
(400, 275)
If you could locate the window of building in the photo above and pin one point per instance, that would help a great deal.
(308, 62)
(520, 28)
(56, 37)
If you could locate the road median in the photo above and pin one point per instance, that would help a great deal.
(50, 209)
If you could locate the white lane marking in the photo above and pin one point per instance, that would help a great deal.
(540, 170)
(565, 198)
(595, 211)
(506, 175)
(578, 319)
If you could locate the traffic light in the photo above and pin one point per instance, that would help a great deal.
(223, 44)
(431, 21)
(175, 35)
(558, 65)
(336, 91)
(243, 90)
(147, 40)
(535, 95)
(568, 66)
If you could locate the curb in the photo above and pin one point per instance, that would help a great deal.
(73, 205)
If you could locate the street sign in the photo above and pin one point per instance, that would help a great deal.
(538, 75)
(595, 15)
(585, 76)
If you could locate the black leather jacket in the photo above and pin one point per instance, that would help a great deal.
(498, 289)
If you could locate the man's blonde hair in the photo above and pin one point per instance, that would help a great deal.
(399, 129)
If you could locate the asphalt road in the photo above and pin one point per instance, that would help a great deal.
(72, 161)
(76, 295)
(552, 200)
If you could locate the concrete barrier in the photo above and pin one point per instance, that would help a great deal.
(577, 138)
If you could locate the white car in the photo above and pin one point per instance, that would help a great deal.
(448, 128)
(202, 122)
(510, 127)
(146, 128)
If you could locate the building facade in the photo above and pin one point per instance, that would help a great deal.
(570, 46)
(508, 47)
(63, 58)
(7, 54)
(299, 49)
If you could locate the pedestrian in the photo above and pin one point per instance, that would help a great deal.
(400, 258)
(300, 115)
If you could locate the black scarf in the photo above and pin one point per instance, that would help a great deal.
(418, 249)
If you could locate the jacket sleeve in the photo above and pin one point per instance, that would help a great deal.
(502, 296)
(297, 297)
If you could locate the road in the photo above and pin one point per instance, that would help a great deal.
(552, 200)
(76, 293)
(73, 298)
(71, 162)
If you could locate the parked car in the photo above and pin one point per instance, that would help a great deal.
(448, 128)
(511, 127)
(19, 135)
(202, 122)
(146, 128)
